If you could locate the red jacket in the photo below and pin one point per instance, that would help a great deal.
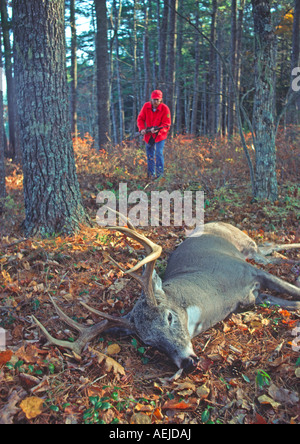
(149, 118)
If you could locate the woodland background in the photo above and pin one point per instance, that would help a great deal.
(115, 55)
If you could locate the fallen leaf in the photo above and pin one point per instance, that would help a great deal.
(113, 349)
(108, 416)
(158, 414)
(283, 396)
(140, 418)
(28, 381)
(143, 408)
(29, 354)
(118, 286)
(264, 399)
(190, 404)
(32, 407)
(5, 357)
(10, 409)
(260, 419)
(109, 363)
(185, 388)
(203, 392)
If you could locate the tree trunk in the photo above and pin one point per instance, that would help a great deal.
(296, 57)
(233, 56)
(219, 75)
(173, 7)
(2, 161)
(264, 101)
(212, 72)
(13, 149)
(162, 46)
(102, 73)
(180, 114)
(135, 64)
(74, 78)
(51, 190)
(117, 18)
(146, 56)
(296, 35)
(194, 129)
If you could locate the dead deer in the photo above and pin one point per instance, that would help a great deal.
(207, 278)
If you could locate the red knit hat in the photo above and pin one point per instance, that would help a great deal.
(157, 94)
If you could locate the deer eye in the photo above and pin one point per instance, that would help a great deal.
(170, 318)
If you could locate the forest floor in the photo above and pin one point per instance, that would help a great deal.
(249, 371)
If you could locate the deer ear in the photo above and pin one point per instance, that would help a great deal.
(156, 282)
(158, 291)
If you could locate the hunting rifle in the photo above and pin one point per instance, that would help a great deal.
(148, 130)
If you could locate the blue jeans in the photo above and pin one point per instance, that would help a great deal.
(156, 166)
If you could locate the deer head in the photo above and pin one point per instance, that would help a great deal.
(155, 318)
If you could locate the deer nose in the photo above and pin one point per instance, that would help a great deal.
(189, 364)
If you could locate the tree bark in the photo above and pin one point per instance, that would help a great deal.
(13, 148)
(2, 145)
(194, 128)
(102, 73)
(233, 58)
(146, 56)
(296, 57)
(74, 77)
(264, 101)
(162, 46)
(173, 7)
(212, 72)
(51, 190)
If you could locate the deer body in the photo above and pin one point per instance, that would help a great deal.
(207, 278)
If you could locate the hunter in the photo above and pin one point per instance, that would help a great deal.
(154, 122)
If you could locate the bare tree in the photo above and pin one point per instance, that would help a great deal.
(2, 160)
(74, 76)
(264, 124)
(102, 73)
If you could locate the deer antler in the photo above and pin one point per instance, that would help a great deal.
(86, 334)
(153, 250)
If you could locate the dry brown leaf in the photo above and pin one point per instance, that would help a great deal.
(109, 363)
(203, 392)
(185, 388)
(190, 404)
(140, 418)
(32, 407)
(10, 409)
(143, 408)
(158, 414)
(187, 385)
(113, 349)
(283, 396)
(5, 356)
(264, 399)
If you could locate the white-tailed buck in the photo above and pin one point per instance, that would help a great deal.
(207, 278)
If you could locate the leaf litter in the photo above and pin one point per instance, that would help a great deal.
(248, 371)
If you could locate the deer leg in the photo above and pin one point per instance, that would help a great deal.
(289, 305)
(263, 251)
(279, 285)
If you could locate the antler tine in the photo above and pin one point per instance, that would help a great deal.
(86, 334)
(153, 253)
